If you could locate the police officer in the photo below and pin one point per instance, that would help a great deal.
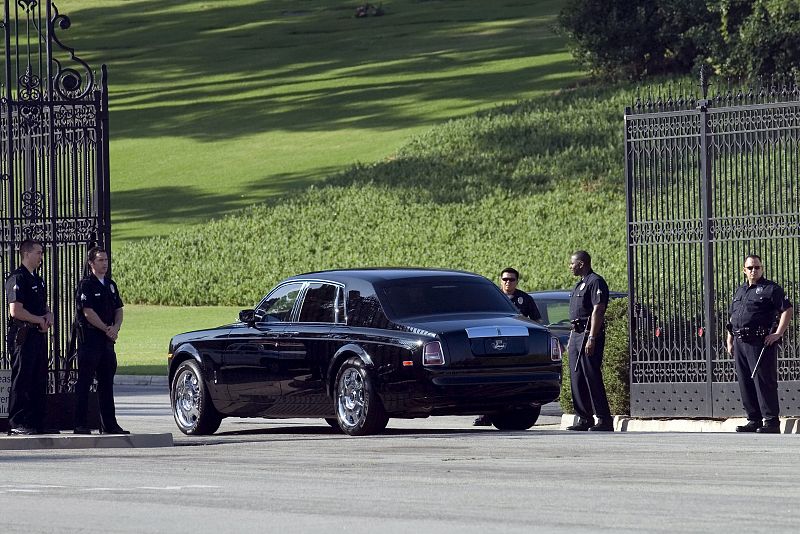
(760, 314)
(28, 324)
(100, 317)
(509, 278)
(587, 309)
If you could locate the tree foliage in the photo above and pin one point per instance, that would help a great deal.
(637, 38)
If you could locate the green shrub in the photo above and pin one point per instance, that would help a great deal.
(635, 38)
(521, 185)
(616, 362)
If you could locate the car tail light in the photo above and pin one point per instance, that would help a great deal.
(432, 353)
(555, 349)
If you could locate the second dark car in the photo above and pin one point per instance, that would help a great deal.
(357, 347)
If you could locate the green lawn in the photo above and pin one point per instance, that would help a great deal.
(220, 105)
(146, 331)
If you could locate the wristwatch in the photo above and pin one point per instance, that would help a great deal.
(591, 338)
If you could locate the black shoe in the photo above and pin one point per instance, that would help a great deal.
(582, 426)
(82, 430)
(769, 429)
(751, 426)
(117, 430)
(22, 431)
(48, 431)
(483, 420)
(603, 426)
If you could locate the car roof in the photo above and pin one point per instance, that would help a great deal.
(564, 294)
(385, 274)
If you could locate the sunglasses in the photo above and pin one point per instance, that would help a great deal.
(508, 279)
(753, 267)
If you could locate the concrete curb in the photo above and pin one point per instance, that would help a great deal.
(96, 441)
(136, 380)
(624, 423)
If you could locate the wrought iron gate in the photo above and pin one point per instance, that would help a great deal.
(709, 180)
(54, 167)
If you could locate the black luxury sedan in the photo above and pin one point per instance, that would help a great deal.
(357, 347)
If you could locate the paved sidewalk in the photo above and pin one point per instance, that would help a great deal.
(141, 380)
(624, 423)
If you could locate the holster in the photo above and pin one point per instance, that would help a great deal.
(579, 325)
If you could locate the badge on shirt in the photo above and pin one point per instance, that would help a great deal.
(759, 290)
(111, 287)
(583, 285)
(519, 300)
(83, 296)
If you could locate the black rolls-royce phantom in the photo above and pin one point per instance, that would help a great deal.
(357, 347)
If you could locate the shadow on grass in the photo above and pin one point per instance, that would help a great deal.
(213, 71)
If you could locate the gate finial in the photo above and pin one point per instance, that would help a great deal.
(704, 82)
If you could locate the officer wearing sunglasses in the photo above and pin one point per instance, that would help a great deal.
(760, 314)
(509, 278)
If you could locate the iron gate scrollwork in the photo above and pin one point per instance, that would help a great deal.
(54, 171)
(709, 180)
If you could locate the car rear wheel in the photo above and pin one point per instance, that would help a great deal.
(359, 410)
(517, 418)
(192, 409)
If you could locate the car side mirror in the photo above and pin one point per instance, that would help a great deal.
(247, 316)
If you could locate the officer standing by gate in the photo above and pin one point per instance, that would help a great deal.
(100, 318)
(26, 338)
(587, 310)
(760, 314)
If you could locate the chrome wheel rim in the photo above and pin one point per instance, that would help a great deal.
(351, 400)
(187, 399)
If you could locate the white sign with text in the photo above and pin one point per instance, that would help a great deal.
(5, 387)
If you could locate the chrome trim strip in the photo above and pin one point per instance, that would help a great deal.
(497, 331)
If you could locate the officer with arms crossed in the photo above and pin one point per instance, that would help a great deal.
(758, 306)
(587, 310)
(100, 316)
(29, 321)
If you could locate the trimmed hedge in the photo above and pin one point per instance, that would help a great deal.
(616, 362)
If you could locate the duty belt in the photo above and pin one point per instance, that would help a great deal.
(751, 334)
(579, 325)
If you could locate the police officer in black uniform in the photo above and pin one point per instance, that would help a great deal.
(760, 314)
(509, 277)
(26, 338)
(587, 309)
(100, 318)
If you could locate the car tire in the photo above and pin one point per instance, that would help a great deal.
(192, 408)
(359, 410)
(517, 418)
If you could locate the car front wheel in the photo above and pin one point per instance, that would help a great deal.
(517, 418)
(358, 408)
(192, 409)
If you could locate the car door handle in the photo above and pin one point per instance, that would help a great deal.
(290, 334)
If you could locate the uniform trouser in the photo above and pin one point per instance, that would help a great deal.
(28, 396)
(96, 357)
(759, 394)
(588, 391)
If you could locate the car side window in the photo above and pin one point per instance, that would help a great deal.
(319, 304)
(277, 307)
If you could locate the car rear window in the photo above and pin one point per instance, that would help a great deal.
(414, 298)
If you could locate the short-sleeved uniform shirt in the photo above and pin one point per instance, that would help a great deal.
(588, 293)
(103, 298)
(526, 305)
(758, 305)
(28, 289)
